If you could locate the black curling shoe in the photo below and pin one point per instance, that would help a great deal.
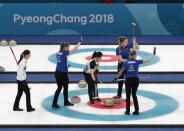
(119, 96)
(92, 102)
(127, 112)
(135, 113)
(55, 106)
(18, 109)
(31, 109)
(98, 100)
(68, 104)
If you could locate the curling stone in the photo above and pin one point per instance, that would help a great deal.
(108, 102)
(12, 43)
(116, 100)
(75, 99)
(82, 84)
(3, 43)
(2, 69)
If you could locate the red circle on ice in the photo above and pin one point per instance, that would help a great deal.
(100, 105)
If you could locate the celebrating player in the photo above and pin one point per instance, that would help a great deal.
(132, 80)
(122, 52)
(61, 73)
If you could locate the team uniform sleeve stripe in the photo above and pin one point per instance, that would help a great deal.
(92, 65)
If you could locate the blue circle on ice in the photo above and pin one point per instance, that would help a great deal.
(163, 105)
(74, 64)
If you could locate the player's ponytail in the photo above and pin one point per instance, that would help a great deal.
(63, 45)
(94, 55)
(23, 54)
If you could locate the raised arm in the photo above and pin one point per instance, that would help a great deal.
(150, 57)
(76, 46)
(135, 44)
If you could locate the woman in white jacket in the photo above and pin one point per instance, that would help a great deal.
(22, 84)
